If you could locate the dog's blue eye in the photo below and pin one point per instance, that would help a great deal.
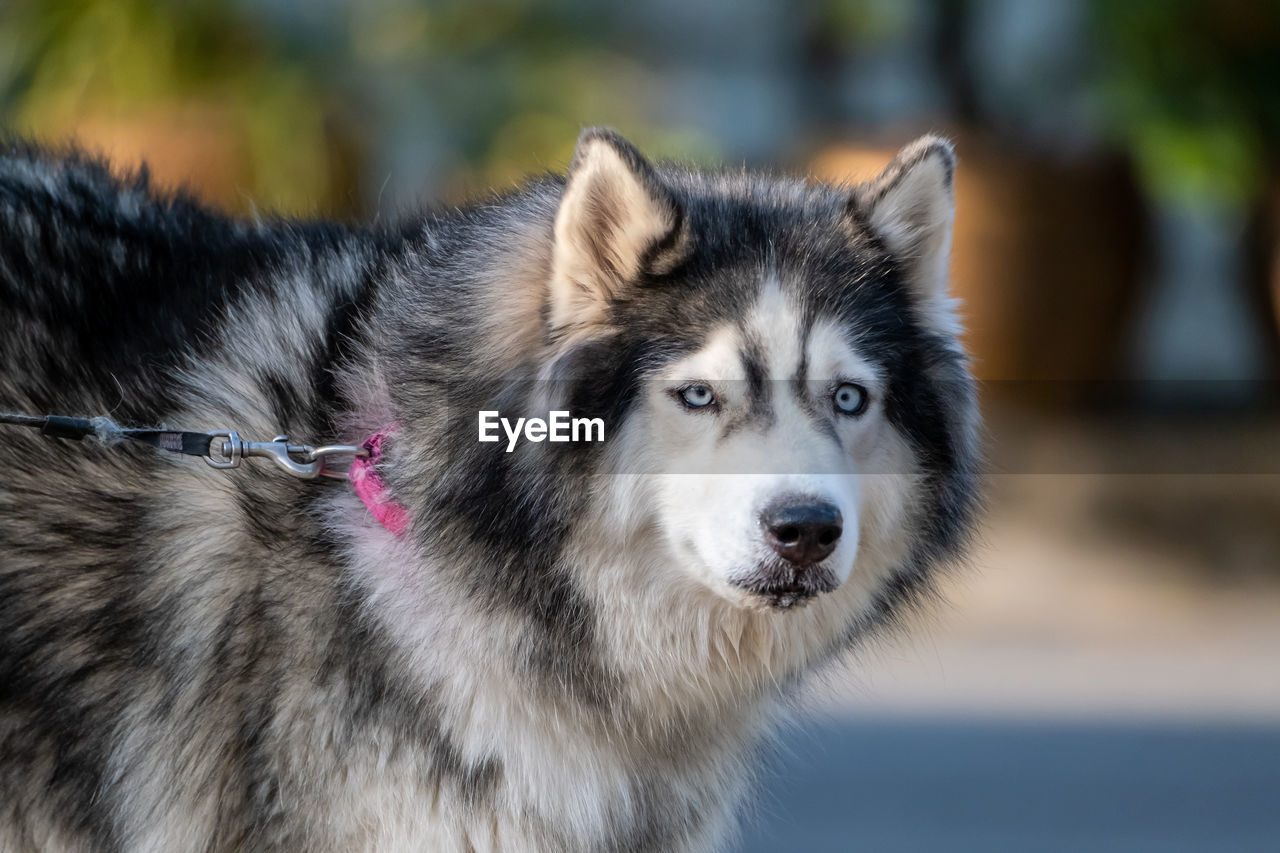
(697, 396)
(851, 399)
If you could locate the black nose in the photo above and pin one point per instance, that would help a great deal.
(802, 531)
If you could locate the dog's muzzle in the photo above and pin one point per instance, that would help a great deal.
(802, 531)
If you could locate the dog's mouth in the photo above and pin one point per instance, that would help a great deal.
(778, 587)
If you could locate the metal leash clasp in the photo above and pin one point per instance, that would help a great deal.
(227, 449)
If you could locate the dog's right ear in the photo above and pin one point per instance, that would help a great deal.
(910, 206)
(616, 221)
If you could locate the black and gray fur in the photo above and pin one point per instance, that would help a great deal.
(196, 659)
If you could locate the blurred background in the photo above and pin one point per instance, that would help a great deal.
(1106, 675)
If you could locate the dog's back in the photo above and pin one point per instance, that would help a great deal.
(555, 653)
(143, 637)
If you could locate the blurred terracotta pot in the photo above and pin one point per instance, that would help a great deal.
(207, 148)
(1264, 257)
(196, 146)
(1047, 260)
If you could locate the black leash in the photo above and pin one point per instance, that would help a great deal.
(60, 426)
(221, 449)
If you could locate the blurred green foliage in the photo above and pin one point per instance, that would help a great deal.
(304, 95)
(856, 22)
(511, 83)
(62, 63)
(506, 84)
(1193, 90)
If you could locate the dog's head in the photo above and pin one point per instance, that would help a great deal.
(780, 363)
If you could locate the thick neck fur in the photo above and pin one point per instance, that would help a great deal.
(572, 648)
(259, 664)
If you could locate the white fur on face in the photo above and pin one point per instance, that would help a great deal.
(717, 470)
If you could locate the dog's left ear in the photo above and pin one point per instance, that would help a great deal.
(910, 206)
(616, 222)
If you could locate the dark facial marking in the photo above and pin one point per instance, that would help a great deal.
(758, 408)
(754, 365)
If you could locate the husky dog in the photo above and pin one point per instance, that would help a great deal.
(568, 646)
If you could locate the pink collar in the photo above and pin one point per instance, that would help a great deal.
(373, 491)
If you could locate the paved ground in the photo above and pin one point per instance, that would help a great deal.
(1016, 787)
(1106, 678)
